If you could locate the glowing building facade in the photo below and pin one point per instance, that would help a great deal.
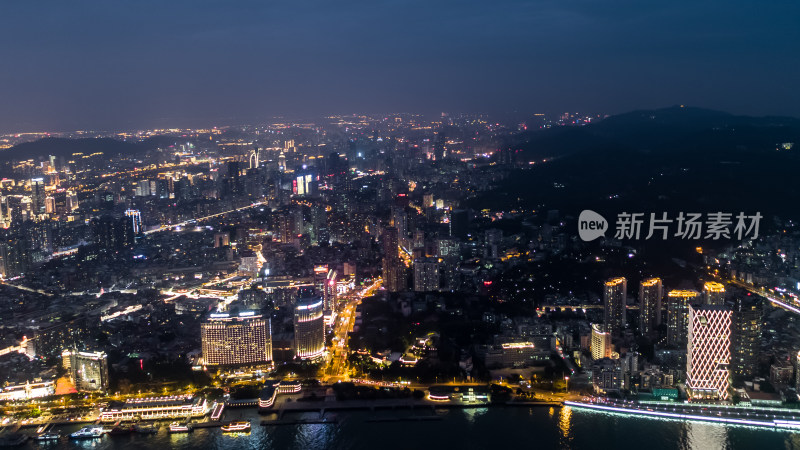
(230, 340)
(601, 343)
(714, 293)
(708, 353)
(650, 294)
(88, 371)
(678, 302)
(614, 299)
(309, 328)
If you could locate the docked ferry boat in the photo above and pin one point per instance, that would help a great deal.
(241, 426)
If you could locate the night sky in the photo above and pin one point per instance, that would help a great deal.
(135, 63)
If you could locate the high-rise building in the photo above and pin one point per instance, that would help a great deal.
(400, 221)
(222, 239)
(230, 340)
(305, 183)
(136, 220)
(745, 337)
(650, 294)
(297, 219)
(254, 158)
(286, 227)
(426, 275)
(393, 279)
(60, 202)
(797, 373)
(233, 179)
(678, 302)
(329, 290)
(282, 162)
(708, 352)
(601, 343)
(143, 188)
(714, 293)
(50, 205)
(88, 371)
(614, 299)
(38, 196)
(319, 224)
(309, 328)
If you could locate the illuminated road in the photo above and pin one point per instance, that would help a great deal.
(335, 371)
(25, 288)
(780, 302)
(200, 219)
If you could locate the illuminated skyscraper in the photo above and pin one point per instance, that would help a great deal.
(38, 196)
(309, 328)
(136, 220)
(678, 302)
(230, 340)
(708, 352)
(601, 343)
(745, 337)
(329, 290)
(281, 162)
(614, 299)
(255, 158)
(393, 279)
(714, 293)
(88, 371)
(650, 294)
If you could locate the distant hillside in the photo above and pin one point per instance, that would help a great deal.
(670, 129)
(66, 147)
(674, 159)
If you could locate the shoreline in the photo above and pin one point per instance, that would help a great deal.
(774, 424)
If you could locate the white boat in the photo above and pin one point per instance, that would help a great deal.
(88, 433)
(176, 427)
(241, 426)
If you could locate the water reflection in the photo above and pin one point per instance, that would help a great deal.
(314, 436)
(705, 436)
(472, 413)
(565, 425)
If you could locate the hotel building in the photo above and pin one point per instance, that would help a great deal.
(236, 340)
(309, 328)
(88, 371)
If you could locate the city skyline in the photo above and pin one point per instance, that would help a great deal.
(399, 223)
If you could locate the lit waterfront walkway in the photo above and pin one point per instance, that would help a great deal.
(775, 418)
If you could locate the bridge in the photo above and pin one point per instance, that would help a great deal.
(576, 308)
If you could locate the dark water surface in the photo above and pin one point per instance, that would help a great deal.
(481, 428)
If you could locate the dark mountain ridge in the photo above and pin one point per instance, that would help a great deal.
(674, 159)
(65, 147)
